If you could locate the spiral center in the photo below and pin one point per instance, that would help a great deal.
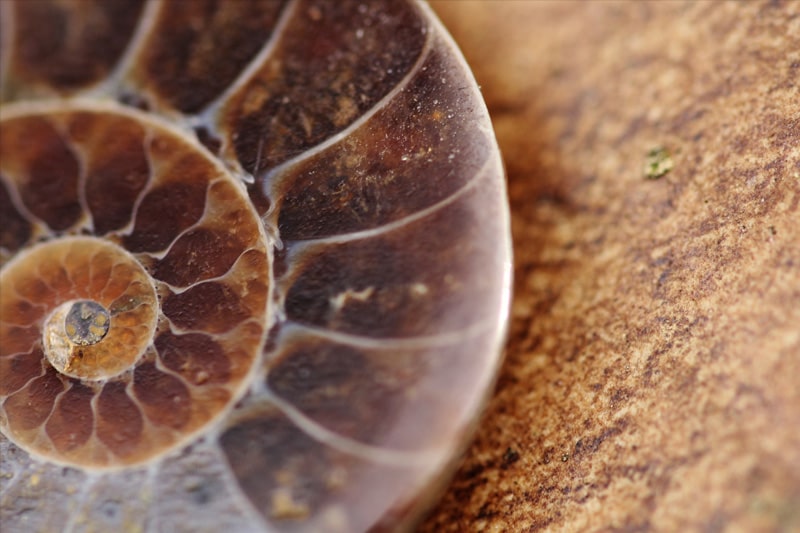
(97, 306)
(87, 322)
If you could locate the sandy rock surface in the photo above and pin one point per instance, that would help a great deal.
(652, 376)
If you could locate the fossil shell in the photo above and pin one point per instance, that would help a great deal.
(255, 264)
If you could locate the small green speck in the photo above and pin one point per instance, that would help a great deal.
(658, 163)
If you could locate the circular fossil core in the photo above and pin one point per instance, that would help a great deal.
(134, 296)
(86, 322)
(105, 324)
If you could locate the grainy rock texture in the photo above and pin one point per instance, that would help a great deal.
(652, 380)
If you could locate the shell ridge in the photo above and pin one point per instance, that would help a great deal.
(231, 271)
(42, 429)
(347, 445)
(389, 227)
(113, 85)
(208, 115)
(39, 226)
(87, 220)
(27, 383)
(451, 338)
(271, 178)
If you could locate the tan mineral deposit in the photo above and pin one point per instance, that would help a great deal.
(652, 373)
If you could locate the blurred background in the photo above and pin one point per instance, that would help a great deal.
(652, 374)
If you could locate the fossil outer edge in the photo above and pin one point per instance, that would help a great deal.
(293, 215)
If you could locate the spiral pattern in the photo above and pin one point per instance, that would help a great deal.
(255, 263)
(183, 289)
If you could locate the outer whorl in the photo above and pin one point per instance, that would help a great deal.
(255, 264)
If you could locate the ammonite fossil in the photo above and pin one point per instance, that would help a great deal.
(255, 264)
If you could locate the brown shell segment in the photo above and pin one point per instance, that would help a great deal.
(63, 46)
(352, 285)
(140, 389)
(116, 165)
(385, 393)
(198, 357)
(36, 158)
(212, 247)
(179, 177)
(19, 369)
(196, 49)
(331, 63)
(152, 387)
(15, 229)
(299, 483)
(119, 420)
(418, 133)
(70, 423)
(30, 407)
(219, 305)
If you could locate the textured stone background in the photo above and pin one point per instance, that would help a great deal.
(652, 379)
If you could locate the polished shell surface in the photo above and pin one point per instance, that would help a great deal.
(284, 227)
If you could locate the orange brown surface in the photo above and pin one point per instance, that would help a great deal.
(651, 379)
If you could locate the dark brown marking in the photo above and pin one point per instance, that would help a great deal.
(18, 370)
(212, 143)
(48, 170)
(15, 229)
(166, 400)
(164, 213)
(70, 45)
(30, 407)
(18, 339)
(117, 172)
(413, 153)
(71, 423)
(198, 48)
(339, 387)
(410, 281)
(324, 74)
(195, 356)
(211, 306)
(198, 255)
(119, 422)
